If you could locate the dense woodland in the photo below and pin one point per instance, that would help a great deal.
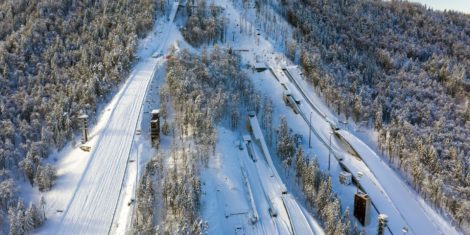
(402, 69)
(205, 24)
(168, 196)
(58, 59)
(393, 66)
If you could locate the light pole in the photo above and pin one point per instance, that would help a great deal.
(310, 131)
(329, 153)
(359, 176)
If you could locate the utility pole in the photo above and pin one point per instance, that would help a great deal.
(310, 131)
(358, 178)
(329, 153)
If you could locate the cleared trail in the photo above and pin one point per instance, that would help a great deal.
(95, 200)
(289, 213)
(92, 206)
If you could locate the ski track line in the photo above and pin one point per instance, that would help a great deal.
(120, 93)
(93, 203)
(152, 76)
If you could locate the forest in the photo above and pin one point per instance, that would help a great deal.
(401, 69)
(394, 67)
(205, 24)
(58, 59)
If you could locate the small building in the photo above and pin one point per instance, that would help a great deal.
(246, 138)
(345, 178)
(260, 67)
(155, 114)
(290, 101)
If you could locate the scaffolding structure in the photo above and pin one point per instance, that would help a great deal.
(84, 120)
(155, 127)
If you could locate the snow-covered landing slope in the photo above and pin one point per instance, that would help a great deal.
(91, 209)
(88, 194)
(388, 191)
(263, 50)
(287, 207)
(236, 188)
(422, 218)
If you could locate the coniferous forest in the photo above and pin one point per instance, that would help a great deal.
(403, 70)
(398, 71)
(58, 59)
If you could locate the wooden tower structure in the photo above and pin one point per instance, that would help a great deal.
(84, 120)
(362, 207)
(155, 127)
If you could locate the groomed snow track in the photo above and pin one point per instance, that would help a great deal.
(285, 204)
(91, 209)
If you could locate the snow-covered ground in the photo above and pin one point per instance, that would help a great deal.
(92, 206)
(390, 195)
(421, 218)
(93, 189)
(236, 188)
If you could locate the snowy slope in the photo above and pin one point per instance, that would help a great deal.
(91, 209)
(287, 207)
(91, 206)
(406, 204)
(405, 208)
(414, 210)
(95, 187)
(375, 180)
(229, 203)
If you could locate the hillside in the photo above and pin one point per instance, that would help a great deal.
(58, 59)
(401, 69)
(234, 117)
